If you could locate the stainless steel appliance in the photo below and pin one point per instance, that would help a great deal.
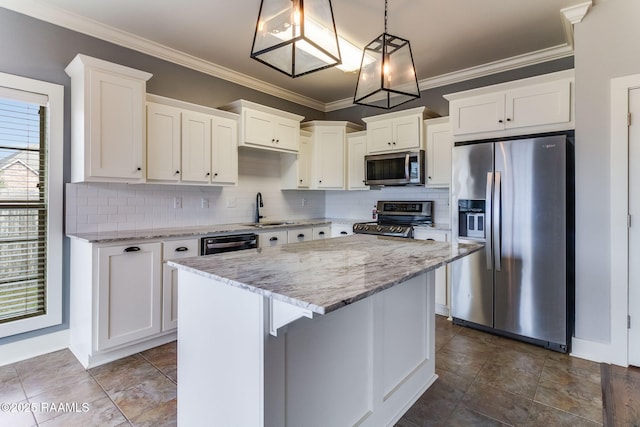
(405, 168)
(236, 242)
(397, 218)
(517, 197)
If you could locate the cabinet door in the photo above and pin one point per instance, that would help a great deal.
(273, 238)
(441, 273)
(299, 235)
(321, 232)
(117, 127)
(129, 295)
(287, 134)
(259, 128)
(379, 136)
(173, 249)
(163, 142)
(196, 147)
(329, 150)
(439, 145)
(536, 105)
(356, 150)
(304, 161)
(482, 113)
(224, 151)
(407, 133)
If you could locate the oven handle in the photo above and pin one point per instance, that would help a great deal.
(228, 244)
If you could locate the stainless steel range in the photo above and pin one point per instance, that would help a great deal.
(397, 218)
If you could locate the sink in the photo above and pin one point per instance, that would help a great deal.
(268, 223)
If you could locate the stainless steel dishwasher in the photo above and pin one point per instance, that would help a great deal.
(236, 242)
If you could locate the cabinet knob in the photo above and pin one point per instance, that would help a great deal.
(508, 119)
(177, 172)
(388, 143)
(320, 181)
(394, 143)
(139, 169)
(500, 121)
(300, 180)
(215, 174)
(277, 141)
(208, 173)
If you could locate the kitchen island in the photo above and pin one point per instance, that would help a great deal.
(334, 332)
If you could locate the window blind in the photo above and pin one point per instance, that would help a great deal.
(23, 206)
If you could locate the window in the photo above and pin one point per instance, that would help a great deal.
(30, 204)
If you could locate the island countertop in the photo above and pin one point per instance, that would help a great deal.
(327, 274)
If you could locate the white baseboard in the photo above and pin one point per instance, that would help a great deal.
(32, 347)
(597, 352)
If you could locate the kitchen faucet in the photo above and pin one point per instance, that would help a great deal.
(258, 206)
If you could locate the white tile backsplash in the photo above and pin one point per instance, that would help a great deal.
(96, 207)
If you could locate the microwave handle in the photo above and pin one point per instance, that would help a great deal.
(407, 159)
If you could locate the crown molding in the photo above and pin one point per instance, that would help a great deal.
(52, 15)
(98, 30)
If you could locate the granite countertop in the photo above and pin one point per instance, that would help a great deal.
(324, 275)
(168, 233)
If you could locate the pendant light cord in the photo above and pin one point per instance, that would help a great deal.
(385, 16)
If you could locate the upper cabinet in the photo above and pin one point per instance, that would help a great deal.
(356, 150)
(107, 121)
(266, 128)
(397, 131)
(439, 145)
(190, 144)
(537, 104)
(329, 153)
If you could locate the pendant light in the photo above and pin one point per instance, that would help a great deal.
(387, 75)
(296, 37)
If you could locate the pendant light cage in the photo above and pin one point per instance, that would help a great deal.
(387, 76)
(296, 37)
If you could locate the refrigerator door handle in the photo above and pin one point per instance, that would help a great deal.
(497, 221)
(488, 235)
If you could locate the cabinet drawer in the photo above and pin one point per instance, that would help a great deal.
(300, 235)
(176, 249)
(321, 232)
(272, 238)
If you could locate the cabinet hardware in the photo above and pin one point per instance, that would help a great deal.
(182, 249)
(500, 121)
(508, 119)
(208, 173)
(388, 143)
(300, 236)
(139, 169)
(321, 233)
(215, 174)
(273, 239)
(177, 172)
(132, 249)
(344, 233)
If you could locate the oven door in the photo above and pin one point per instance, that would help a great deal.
(219, 244)
(395, 168)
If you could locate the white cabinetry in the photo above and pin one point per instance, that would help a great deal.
(533, 105)
(295, 170)
(266, 127)
(173, 249)
(329, 153)
(116, 300)
(339, 230)
(299, 235)
(321, 232)
(356, 150)
(107, 121)
(439, 145)
(397, 131)
(272, 238)
(190, 144)
(441, 274)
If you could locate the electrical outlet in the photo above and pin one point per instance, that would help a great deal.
(304, 202)
(177, 202)
(205, 203)
(232, 202)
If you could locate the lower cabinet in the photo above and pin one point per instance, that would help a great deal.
(339, 230)
(299, 235)
(272, 238)
(442, 273)
(322, 232)
(173, 249)
(116, 300)
(293, 235)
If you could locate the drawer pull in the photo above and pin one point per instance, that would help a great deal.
(273, 239)
(132, 249)
(300, 236)
(182, 249)
(344, 233)
(321, 233)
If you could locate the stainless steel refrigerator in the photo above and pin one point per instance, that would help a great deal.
(516, 196)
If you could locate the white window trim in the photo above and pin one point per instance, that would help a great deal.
(55, 125)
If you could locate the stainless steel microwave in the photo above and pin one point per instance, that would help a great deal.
(406, 168)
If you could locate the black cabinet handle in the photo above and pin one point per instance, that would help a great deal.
(177, 172)
(273, 239)
(208, 173)
(344, 233)
(182, 249)
(433, 240)
(300, 236)
(139, 169)
(321, 233)
(132, 249)
(388, 143)
(500, 121)
(215, 174)
(508, 119)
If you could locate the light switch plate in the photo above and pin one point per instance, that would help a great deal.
(232, 202)
(177, 202)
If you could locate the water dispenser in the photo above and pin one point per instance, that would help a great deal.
(471, 219)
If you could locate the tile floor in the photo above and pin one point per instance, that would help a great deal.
(484, 380)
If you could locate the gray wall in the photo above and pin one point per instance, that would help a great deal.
(606, 47)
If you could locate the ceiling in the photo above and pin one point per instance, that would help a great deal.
(451, 40)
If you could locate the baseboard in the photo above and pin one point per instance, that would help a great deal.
(597, 352)
(32, 347)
